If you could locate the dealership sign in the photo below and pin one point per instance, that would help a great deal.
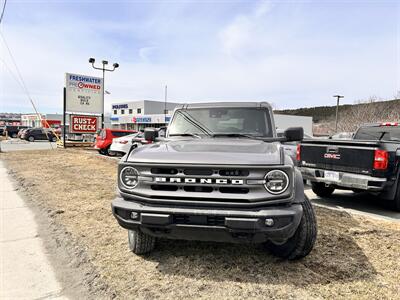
(83, 124)
(84, 94)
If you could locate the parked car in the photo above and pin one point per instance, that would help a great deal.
(106, 136)
(342, 136)
(219, 175)
(21, 131)
(370, 162)
(122, 145)
(12, 131)
(38, 134)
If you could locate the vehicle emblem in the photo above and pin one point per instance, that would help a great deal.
(199, 180)
(332, 153)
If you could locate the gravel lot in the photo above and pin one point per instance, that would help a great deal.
(355, 256)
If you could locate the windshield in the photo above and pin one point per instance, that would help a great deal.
(385, 133)
(221, 121)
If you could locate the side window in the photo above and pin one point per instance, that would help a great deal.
(139, 110)
(130, 111)
(115, 111)
(120, 133)
(122, 111)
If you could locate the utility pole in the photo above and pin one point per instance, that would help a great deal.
(104, 69)
(337, 110)
(165, 104)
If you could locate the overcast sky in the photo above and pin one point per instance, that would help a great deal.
(291, 53)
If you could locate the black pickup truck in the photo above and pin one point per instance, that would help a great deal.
(370, 162)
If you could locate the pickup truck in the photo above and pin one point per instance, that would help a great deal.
(220, 174)
(369, 162)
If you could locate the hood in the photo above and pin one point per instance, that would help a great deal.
(215, 151)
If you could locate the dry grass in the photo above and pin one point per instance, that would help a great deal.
(355, 257)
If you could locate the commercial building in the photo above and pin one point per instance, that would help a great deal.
(283, 122)
(12, 119)
(41, 120)
(137, 115)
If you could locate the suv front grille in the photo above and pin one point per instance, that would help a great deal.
(205, 185)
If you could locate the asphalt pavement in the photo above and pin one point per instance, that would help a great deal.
(20, 145)
(25, 271)
(361, 203)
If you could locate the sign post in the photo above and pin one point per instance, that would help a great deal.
(83, 96)
(64, 119)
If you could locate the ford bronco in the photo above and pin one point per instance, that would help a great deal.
(219, 174)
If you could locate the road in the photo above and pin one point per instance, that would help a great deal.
(19, 145)
(355, 203)
(25, 271)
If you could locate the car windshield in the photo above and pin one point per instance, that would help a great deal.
(385, 133)
(221, 122)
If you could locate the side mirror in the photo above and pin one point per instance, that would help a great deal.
(137, 140)
(294, 134)
(150, 134)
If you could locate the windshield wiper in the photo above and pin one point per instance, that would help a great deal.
(234, 135)
(186, 134)
(194, 122)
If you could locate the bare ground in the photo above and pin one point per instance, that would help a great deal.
(355, 257)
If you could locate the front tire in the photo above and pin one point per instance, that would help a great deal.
(139, 242)
(320, 189)
(302, 242)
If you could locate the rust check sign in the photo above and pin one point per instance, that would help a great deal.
(83, 124)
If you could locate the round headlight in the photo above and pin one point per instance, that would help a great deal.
(129, 177)
(276, 182)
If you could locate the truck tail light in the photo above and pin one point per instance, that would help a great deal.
(390, 124)
(298, 152)
(381, 160)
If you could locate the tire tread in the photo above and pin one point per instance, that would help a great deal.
(141, 243)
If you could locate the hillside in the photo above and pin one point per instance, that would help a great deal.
(322, 114)
(350, 116)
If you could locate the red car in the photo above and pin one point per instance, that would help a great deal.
(105, 137)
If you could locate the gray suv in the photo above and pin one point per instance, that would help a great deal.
(220, 174)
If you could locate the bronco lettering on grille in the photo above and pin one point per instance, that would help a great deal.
(199, 180)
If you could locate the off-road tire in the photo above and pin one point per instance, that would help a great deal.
(139, 242)
(320, 189)
(31, 139)
(302, 242)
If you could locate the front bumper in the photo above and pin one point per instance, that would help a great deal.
(210, 224)
(346, 180)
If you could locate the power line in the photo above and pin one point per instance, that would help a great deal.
(22, 82)
(2, 12)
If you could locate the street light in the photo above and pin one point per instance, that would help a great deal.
(104, 69)
(337, 109)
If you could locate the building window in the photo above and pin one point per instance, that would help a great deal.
(115, 111)
(122, 111)
(130, 111)
(139, 110)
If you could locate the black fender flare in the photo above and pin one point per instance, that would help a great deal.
(298, 187)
